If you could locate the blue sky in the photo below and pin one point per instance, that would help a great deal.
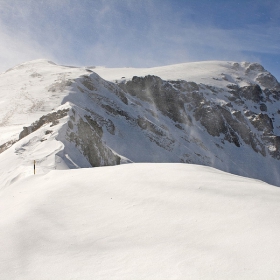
(142, 33)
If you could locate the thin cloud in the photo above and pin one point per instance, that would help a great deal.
(123, 33)
(17, 48)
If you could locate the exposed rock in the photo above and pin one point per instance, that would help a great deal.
(175, 98)
(101, 121)
(87, 82)
(147, 125)
(254, 67)
(121, 95)
(97, 128)
(263, 107)
(35, 75)
(7, 145)
(236, 66)
(262, 122)
(211, 119)
(162, 94)
(196, 98)
(219, 121)
(70, 124)
(253, 93)
(49, 118)
(268, 81)
(88, 141)
(60, 85)
(235, 94)
(118, 112)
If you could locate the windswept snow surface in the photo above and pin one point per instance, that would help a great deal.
(215, 73)
(140, 221)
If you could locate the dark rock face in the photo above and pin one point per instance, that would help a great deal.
(85, 132)
(219, 121)
(165, 97)
(263, 107)
(263, 123)
(88, 139)
(7, 145)
(211, 119)
(268, 81)
(254, 67)
(253, 93)
(49, 118)
(147, 125)
(60, 85)
(88, 83)
(180, 99)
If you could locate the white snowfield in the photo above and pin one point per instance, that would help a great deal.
(140, 221)
(206, 72)
(149, 221)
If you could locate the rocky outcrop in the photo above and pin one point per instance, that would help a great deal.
(262, 122)
(180, 99)
(7, 145)
(268, 81)
(253, 67)
(49, 118)
(162, 94)
(233, 127)
(87, 134)
(253, 93)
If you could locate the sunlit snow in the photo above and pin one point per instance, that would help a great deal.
(140, 221)
(133, 221)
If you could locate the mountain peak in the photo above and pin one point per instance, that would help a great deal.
(223, 114)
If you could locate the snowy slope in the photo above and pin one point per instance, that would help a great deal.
(31, 90)
(144, 220)
(220, 114)
(140, 221)
(214, 73)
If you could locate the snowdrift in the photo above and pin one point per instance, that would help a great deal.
(139, 221)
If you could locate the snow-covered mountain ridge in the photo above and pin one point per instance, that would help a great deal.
(220, 114)
(214, 73)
